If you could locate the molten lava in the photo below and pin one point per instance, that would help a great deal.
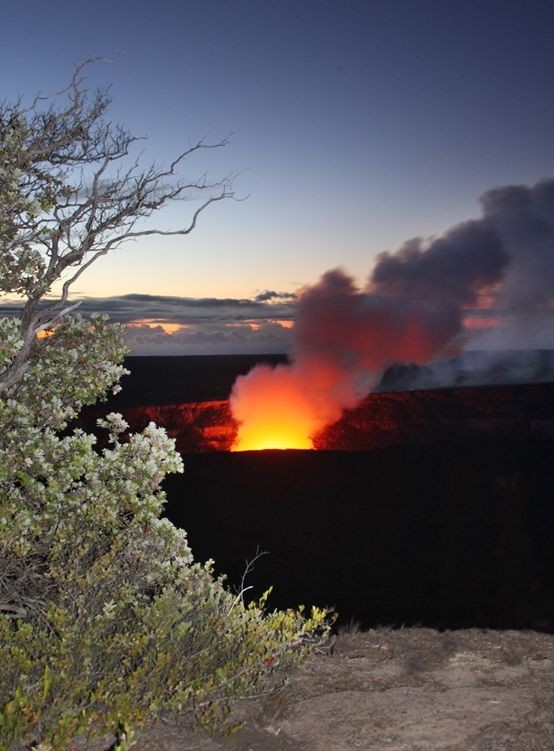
(272, 411)
(272, 436)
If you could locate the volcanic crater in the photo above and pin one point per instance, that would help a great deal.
(519, 412)
(428, 507)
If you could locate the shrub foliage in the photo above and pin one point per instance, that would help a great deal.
(106, 621)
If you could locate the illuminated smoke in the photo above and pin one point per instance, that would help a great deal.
(411, 311)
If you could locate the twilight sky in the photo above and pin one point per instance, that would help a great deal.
(357, 125)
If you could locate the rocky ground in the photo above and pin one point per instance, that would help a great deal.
(410, 689)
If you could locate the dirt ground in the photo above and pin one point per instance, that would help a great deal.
(409, 689)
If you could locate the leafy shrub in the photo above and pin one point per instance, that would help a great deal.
(106, 620)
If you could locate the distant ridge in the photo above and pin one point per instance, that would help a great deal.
(197, 378)
(180, 378)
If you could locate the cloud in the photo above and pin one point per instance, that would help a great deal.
(186, 310)
(164, 325)
(269, 294)
(205, 339)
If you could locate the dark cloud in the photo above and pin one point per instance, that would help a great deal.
(184, 309)
(269, 295)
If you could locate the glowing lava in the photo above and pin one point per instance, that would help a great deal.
(275, 436)
(272, 410)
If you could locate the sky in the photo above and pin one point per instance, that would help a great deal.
(354, 126)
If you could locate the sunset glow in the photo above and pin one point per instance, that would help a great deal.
(283, 323)
(168, 327)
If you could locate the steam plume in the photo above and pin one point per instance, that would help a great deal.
(411, 310)
(524, 219)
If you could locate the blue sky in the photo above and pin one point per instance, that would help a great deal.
(356, 124)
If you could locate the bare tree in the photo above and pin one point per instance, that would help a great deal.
(70, 193)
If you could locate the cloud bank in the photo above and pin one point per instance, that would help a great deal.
(162, 325)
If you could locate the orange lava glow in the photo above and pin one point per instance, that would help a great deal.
(272, 411)
(277, 436)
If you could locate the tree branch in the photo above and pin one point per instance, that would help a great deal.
(65, 202)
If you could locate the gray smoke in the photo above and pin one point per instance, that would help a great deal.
(524, 220)
(450, 270)
(472, 368)
(412, 309)
(413, 314)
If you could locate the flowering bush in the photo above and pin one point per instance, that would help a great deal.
(106, 620)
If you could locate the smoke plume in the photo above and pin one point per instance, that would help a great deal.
(412, 310)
